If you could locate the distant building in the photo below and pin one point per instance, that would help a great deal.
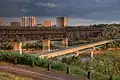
(53, 25)
(15, 24)
(1, 22)
(61, 21)
(24, 21)
(39, 25)
(47, 23)
(32, 21)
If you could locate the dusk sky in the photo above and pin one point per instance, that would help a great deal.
(87, 9)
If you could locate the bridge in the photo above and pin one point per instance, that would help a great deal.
(18, 35)
(74, 49)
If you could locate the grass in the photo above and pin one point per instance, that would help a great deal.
(9, 76)
(75, 70)
(76, 66)
(3, 63)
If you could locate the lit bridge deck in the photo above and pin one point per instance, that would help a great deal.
(72, 49)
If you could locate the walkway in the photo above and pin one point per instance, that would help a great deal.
(37, 73)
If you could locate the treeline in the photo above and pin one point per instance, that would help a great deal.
(109, 31)
(115, 44)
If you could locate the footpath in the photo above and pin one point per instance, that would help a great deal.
(37, 73)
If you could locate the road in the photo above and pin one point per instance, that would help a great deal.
(37, 73)
(72, 49)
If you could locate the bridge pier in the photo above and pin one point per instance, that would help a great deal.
(77, 53)
(64, 42)
(92, 52)
(17, 46)
(46, 45)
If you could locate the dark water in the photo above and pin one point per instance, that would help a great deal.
(85, 57)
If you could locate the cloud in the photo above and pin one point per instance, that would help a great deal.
(98, 1)
(50, 5)
(24, 10)
(19, 1)
(89, 9)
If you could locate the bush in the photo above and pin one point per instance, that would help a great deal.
(76, 70)
(58, 66)
(101, 66)
(27, 59)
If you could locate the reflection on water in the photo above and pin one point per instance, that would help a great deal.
(85, 57)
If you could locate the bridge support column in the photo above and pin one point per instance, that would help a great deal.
(64, 42)
(77, 53)
(17, 46)
(92, 52)
(46, 45)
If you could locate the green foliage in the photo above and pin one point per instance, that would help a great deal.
(5, 46)
(26, 59)
(115, 44)
(104, 66)
(58, 66)
(72, 60)
(32, 46)
(101, 66)
(76, 70)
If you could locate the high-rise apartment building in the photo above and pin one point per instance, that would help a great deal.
(24, 21)
(32, 21)
(61, 21)
(47, 23)
(15, 24)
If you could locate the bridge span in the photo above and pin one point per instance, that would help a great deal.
(74, 49)
(18, 35)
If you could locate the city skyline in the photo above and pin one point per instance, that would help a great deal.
(84, 9)
(71, 21)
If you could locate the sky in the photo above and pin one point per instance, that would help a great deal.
(85, 9)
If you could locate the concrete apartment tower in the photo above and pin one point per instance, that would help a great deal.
(47, 23)
(24, 21)
(61, 21)
(32, 21)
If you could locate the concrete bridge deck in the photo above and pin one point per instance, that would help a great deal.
(73, 49)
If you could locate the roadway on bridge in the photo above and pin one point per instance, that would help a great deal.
(73, 49)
